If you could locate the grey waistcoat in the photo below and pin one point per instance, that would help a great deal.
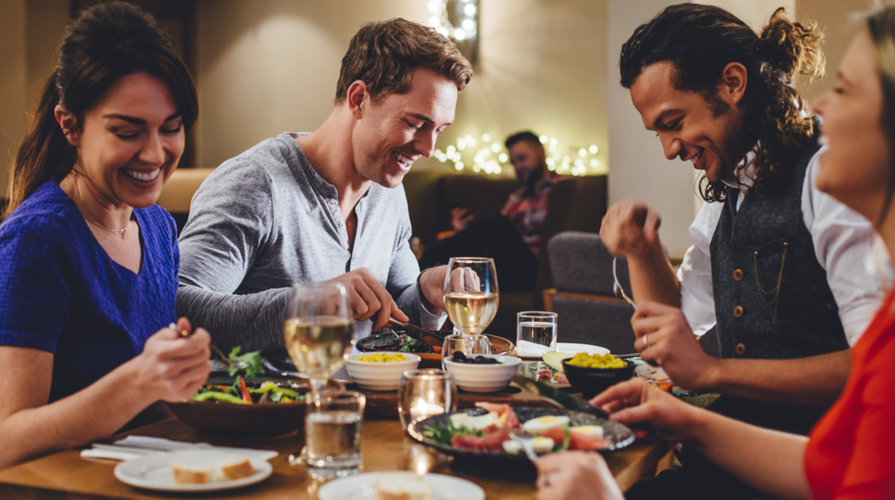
(804, 321)
(799, 319)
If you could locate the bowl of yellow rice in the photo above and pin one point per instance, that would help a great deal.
(591, 374)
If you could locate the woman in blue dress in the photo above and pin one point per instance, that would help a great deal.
(88, 262)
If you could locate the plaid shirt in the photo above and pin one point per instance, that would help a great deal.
(527, 210)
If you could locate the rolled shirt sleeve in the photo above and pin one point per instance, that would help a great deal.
(858, 269)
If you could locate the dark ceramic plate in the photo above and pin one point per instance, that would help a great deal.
(247, 421)
(618, 434)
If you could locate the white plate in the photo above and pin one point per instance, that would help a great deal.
(651, 372)
(363, 487)
(574, 349)
(153, 472)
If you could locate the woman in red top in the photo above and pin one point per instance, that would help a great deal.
(849, 453)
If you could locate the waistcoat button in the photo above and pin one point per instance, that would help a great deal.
(738, 311)
(741, 349)
(738, 274)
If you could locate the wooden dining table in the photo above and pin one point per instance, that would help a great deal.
(65, 475)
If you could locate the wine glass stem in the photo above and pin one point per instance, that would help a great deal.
(318, 384)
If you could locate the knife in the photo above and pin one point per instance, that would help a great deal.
(557, 397)
(434, 339)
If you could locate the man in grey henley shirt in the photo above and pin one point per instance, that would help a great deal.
(329, 205)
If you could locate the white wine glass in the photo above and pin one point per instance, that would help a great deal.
(319, 331)
(470, 294)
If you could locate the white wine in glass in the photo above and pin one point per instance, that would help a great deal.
(471, 312)
(319, 331)
(470, 293)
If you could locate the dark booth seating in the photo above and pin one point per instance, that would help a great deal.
(577, 204)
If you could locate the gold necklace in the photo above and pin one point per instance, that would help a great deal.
(97, 224)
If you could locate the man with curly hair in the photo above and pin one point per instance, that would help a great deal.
(778, 268)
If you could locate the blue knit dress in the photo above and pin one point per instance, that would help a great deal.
(60, 291)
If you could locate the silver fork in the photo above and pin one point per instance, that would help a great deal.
(525, 442)
(617, 287)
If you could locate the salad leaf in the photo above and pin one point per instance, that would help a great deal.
(445, 434)
(565, 440)
(253, 361)
(410, 344)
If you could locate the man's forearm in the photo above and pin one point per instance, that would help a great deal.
(652, 277)
(816, 380)
(252, 321)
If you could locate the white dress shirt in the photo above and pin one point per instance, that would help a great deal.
(844, 242)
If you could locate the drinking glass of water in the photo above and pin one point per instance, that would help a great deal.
(333, 434)
(535, 333)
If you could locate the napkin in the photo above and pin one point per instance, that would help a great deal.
(528, 349)
(138, 446)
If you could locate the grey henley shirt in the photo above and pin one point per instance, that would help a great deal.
(265, 220)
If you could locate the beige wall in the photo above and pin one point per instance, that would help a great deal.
(30, 30)
(13, 79)
(838, 21)
(541, 67)
(268, 66)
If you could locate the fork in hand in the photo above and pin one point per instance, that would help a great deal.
(525, 443)
(617, 287)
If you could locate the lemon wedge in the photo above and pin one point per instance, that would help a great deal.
(554, 359)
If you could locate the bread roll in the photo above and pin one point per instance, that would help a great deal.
(402, 486)
(236, 468)
(191, 473)
(228, 468)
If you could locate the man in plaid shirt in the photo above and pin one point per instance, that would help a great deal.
(527, 207)
(511, 237)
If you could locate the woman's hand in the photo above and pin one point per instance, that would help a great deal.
(636, 402)
(173, 366)
(575, 475)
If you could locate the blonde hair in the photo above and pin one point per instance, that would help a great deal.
(881, 28)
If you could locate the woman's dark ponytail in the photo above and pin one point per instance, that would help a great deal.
(106, 43)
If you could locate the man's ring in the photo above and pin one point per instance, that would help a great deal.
(646, 339)
(545, 480)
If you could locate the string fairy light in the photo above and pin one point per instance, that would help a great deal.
(465, 11)
(491, 158)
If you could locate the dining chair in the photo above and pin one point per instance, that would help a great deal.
(582, 294)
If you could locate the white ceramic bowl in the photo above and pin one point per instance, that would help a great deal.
(484, 378)
(380, 376)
